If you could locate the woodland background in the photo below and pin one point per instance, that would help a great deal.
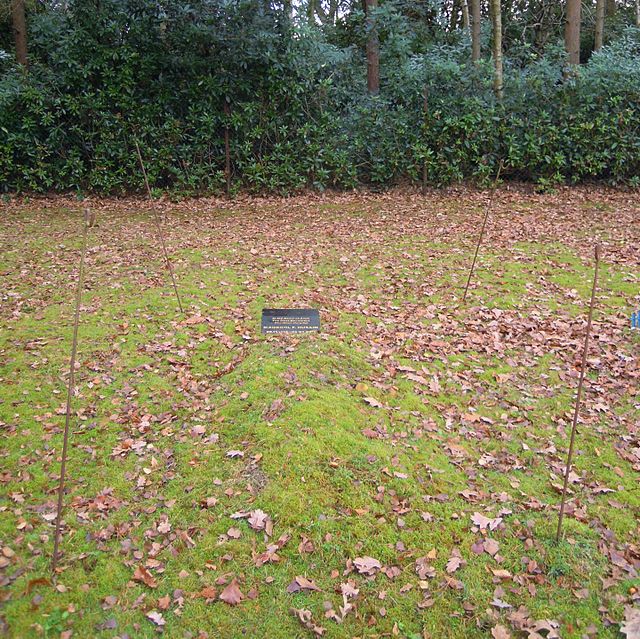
(316, 94)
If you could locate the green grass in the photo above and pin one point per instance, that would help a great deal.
(161, 401)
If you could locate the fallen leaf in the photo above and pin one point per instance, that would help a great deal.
(367, 565)
(491, 546)
(424, 569)
(631, 625)
(142, 575)
(301, 583)
(306, 546)
(209, 593)
(500, 632)
(485, 523)
(232, 594)
(305, 618)
(156, 618)
(453, 564)
(258, 519)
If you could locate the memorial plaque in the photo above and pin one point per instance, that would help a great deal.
(290, 320)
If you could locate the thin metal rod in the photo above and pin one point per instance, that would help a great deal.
(89, 219)
(576, 411)
(484, 224)
(159, 229)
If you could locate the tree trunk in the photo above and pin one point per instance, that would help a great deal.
(475, 30)
(572, 33)
(638, 14)
(600, 7)
(19, 31)
(455, 12)
(373, 50)
(496, 16)
(227, 149)
(611, 8)
(288, 9)
(465, 15)
(425, 108)
(333, 11)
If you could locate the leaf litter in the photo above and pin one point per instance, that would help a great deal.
(485, 390)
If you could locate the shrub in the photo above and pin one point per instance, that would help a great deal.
(300, 117)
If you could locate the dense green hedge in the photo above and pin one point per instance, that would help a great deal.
(300, 116)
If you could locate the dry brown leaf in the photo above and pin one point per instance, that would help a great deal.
(156, 617)
(142, 575)
(500, 632)
(209, 593)
(301, 583)
(232, 594)
(305, 618)
(367, 565)
(631, 624)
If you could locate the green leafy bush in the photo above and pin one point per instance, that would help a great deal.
(104, 75)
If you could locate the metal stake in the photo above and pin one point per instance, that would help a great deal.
(484, 224)
(159, 228)
(89, 220)
(578, 395)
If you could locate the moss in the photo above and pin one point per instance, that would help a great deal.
(311, 465)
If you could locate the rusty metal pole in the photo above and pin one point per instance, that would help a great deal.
(159, 229)
(576, 411)
(484, 224)
(89, 221)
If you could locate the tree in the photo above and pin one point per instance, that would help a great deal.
(496, 16)
(611, 8)
(315, 9)
(543, 18)
(600, 9)
(373, 50)
(465, 14)
(475, 30)
(455, 12)
(19, 31)
(638, 14)
(459, 8)
(572, 34)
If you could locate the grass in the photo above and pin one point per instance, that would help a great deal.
(484, 431)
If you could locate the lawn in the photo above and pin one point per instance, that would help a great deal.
(396, 474)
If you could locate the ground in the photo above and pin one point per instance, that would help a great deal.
(395, 474)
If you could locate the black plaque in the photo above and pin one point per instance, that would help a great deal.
(290, 320)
